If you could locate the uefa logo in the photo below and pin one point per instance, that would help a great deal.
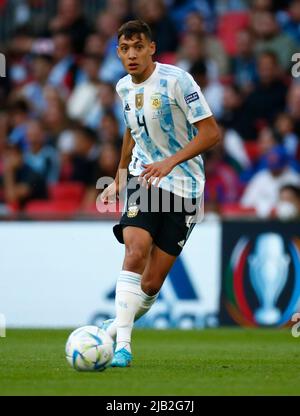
(263, 281)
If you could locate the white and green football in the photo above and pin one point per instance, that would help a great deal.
(89, 348)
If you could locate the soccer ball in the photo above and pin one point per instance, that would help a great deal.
(89, 349)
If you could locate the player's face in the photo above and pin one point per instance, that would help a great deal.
(136, 53)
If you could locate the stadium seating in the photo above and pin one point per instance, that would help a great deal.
(229, 25)
(50, 209)
(66, 191)
(235, 210)
(167, 58)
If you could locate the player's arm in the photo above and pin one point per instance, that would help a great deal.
(119, 183)
(207, 137)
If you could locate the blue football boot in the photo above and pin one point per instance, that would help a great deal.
(122, 358)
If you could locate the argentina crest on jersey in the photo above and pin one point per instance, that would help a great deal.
(156, 105)
(156, 101)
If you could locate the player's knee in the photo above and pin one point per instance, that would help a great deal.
(135, 258)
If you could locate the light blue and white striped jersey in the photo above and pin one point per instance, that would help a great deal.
(160, 113)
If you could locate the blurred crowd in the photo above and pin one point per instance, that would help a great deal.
(61, 121)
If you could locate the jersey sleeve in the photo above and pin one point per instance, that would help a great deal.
(190, 99)
(119, 89)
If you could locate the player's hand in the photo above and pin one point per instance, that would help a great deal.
(110, 194)
(154, 172)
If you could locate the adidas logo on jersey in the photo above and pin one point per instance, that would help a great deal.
(181, 243)
(127, 108)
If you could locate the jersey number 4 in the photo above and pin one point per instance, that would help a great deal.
(142, 123)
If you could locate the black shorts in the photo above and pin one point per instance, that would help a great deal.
(167, 217)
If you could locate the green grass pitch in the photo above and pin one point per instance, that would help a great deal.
(207, 362)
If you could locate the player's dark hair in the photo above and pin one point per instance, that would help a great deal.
(135, 27)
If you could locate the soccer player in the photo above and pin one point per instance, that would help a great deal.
(168, 126)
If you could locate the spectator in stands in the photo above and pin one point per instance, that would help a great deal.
(212, 88)
(4, 127)
(19, 47)
(222, 183)
(42, 158)
(84, 156)
(65, 73)
(234, 116)
(234, 147)
(267, 99)
(191, 50)
(120, 9)
(288, 205)
(33, 92)
(279, 5)
(107, 102)
(107, 25)
(106, 166)
(21, 182)
(214, 50)
(291, 21)
(293, 105)
(262, 5)
(269, 38)
(109, 130)
(33, 14)
(285, 128)
(19, 114)
(95, 45)
(262, 192)
(56, 121)
(227, 6)
(70, 19)
(164, 32)
(107, 162)
(243, 64)
(266, 142)
(181, 8)
(84, 96)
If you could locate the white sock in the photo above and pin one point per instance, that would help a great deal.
(146, 303)
(128, 300)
